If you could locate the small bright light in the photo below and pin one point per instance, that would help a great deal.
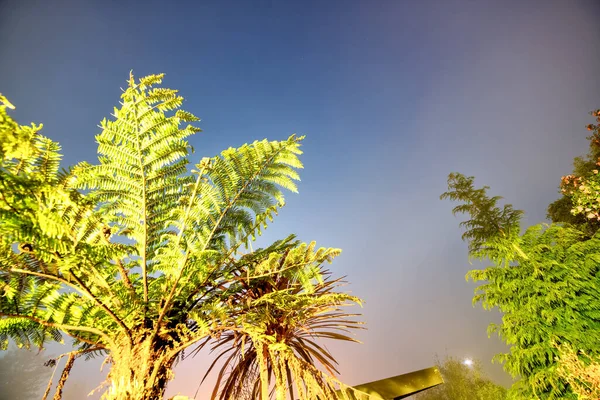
(468, 362)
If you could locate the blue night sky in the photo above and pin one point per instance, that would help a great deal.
(392, 95)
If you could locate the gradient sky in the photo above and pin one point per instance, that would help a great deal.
(392, 95)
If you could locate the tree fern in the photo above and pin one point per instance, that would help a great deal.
(139, 257)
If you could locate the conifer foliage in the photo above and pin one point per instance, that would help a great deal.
(139, 257)
(546, 282)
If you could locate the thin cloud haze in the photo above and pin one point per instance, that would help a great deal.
(392, 97)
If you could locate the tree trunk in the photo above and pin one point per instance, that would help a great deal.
(263, 355)
(63, 377)
(140, 372)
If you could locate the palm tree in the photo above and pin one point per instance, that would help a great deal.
(138, 258)
(294, 317)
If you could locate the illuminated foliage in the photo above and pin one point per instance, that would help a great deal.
(581, 372)
(546, 282)
(579, 205)
(280, 340)
(139, 257)
(584, 188)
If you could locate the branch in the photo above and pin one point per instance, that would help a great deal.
(54, 278)
(49, 386)
(144, 211)
(125, 277)
(104, 307)
(63, 327)
(7, 203)
(86, 292)
(75, 353)
(100, 346)
(64, 376)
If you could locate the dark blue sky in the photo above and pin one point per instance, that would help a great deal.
(392, 95)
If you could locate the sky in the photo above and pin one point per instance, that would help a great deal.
(391, 95)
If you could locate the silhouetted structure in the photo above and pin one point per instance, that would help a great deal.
(400, 386)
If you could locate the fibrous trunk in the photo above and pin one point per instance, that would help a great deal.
(140, 371)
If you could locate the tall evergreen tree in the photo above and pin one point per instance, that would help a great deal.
(546, 282)
(139, 258)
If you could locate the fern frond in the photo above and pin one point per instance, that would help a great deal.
(139, 257)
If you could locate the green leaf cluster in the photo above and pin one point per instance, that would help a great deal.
(546, 282)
